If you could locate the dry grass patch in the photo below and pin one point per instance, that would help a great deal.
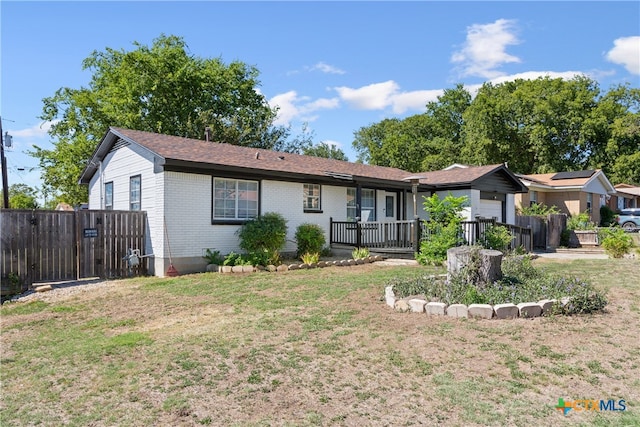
(309, 347)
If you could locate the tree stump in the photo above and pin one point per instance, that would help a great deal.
(485, 264)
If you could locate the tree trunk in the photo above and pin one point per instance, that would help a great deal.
(490, 266)
(457, 259)
(487, 264)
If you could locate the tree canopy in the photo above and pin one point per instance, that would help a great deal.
(536, 126)
(163, 89)
(21, 196)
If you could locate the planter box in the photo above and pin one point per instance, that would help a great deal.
(587, 237)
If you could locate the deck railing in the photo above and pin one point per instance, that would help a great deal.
(405, 235)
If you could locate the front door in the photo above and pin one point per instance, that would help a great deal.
(389, 208)
(389, 217)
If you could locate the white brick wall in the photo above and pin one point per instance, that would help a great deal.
(286, 199)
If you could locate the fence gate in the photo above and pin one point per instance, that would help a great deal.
(47, 246)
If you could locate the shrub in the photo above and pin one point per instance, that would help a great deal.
(232, 259)
(443, 228)
(496, 237)
(580, 221)
(266, 233)
(607, 216)
(310, 258)
(360, 253)
(538, 210)
(615, 242)
(309, 238)
(213, 257)
(433, 248)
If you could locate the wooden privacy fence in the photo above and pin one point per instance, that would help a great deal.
(546, 230)
(48, 246)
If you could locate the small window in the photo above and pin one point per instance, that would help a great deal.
(389, 207)
(135, 189)
(108, 196)
(533, 198)
(311, 197)
(589, 202)
(234, 199)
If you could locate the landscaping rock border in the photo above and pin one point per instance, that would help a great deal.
(480, 311)
(226, 269)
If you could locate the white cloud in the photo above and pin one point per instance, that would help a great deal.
(484, 48)
(37, 131)
(532, 75)
(331, 143)
(326, 68)
(416, 100)
(626, 52)
(379, 96)
(294, 107)
(376, 96)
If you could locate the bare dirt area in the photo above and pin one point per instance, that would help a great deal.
(315, 347)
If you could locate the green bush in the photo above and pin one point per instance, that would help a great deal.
(538, 210)
(232, 259)
(442, 229)
(309, 238)
(213, 257)
(580, 221)
(266, 233)
(434, 247)
(360, 253)
(496, 237)
(607, 216)
(615, 241)
(310, 258)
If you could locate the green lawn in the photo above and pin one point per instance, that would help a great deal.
(312, 347)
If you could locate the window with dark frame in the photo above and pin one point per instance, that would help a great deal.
(389, 206)
(311, 198)
(368, 204)
(234, 199)
(108, 196)
(135, 190)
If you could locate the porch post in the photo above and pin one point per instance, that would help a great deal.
(416, 234)
(330, 230)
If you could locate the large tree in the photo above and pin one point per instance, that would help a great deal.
(536, 126)
(162, 88)
(21, 196)
(421, 142)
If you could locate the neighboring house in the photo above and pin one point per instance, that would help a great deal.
(490, 190)
(626, 196)
(197, 194)
(64, 207)
(571, 192)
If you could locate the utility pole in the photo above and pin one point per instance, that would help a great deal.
(3, 160)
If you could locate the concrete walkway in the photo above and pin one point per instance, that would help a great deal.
(573, 254)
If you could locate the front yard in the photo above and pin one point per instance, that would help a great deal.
(312, 347)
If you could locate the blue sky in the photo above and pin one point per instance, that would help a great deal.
(337, 66)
